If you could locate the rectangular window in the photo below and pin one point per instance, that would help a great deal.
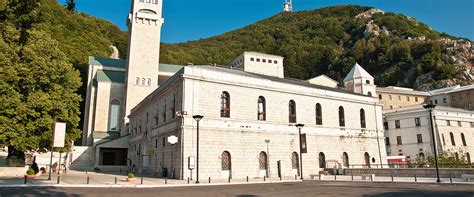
(147, 116)
(459, 124)
(419, 138)
(258, 59)
(264, 60)
(252, 59)
(275, 62)
(408, 98)
(385, 125)
(164, 141)
(399, 140)
(270, 61)
(390, 97)
(417, 122)
(399, 98)
(445, 100)
(436, 101)
(416, 99)
(156, 142)
(387, 141)
(472, 124)
(380, 96)
(448, 123)
(397, 124)
(391, 107)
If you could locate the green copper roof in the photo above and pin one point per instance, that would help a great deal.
(109, 62)
(119, 63)
(110, 76)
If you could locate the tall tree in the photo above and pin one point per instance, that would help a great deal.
(71, 5)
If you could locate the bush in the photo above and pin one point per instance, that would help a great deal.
(30, 171)
(131, 175)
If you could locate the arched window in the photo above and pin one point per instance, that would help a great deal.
(226, 163)
(342, 122)
(362, 118)
(369, 93)
(468, 158)
(295, 162)
(452, 139)
(322, 160)
(114, 115)
(463, 139)
(137, 81)
(367, 159)
(261, 113)
(421, 156)
(345, 159)
(149, 82)
(319, 114)
(367, 81)
(292, 111)
(225, 105)
(262, 161)
(143, 81)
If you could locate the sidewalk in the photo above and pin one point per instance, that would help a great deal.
(92, 179)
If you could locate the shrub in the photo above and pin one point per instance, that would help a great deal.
(131, 175)
(30, 171)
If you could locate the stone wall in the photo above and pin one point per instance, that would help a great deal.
(410, 172)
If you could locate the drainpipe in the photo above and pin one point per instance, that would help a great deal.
(377, 131)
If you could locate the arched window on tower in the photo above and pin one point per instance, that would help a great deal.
(319, 114)
(114, 115)
(137, 81)
(292, 111)
(345, 159)
(362, 118)
(225, 105)
(342, 121)
(143, 81)
(261, 113)
(148, 82)
(226, 164)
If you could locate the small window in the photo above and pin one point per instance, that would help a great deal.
(408, 98)
(362, 118)
(149, 82)
(387, 141)
(322, 160)
(292, 111)
(143, 81)
(369, 93)
(399, 140)
(419, 138)
(275, 62)
(258, 59)
(448, 123)
(397, 124)
(342, 121)
(156, 142)
(137, 81)
(380, 96)
(163, 142)
(472, 124)
(391, 107)
(264, 60)
(452, 139)
(252, 59)
(417, 122)
(225, 104)
(416, 99)
(390, 97)
(399, 98)
(261, 108)
(270, 61)
(436, 101)
(459, 124)
(385, 125)
(319, 114)
(445, 100)
(463, 139)
(367, 81)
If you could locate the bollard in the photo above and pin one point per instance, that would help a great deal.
(295, 176)
(335, 177)
(451, 178)
(87, 180)
(392, 177)
(247, 179)
(352, 177)
(264, 178)
(188, 180)
(26, 180)
(229, 179)
(115, 180)
(59, 180)
(415, 179)
(209, 179)
(166, 180)
(141, 181)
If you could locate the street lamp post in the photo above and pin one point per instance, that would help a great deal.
(299, 126)
(197, 118)
(54, 113)
(430, 108)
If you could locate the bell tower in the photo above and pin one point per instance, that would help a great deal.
(144, 30)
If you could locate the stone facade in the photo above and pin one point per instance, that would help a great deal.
(198, 90)
(402, 124)
(397, 97)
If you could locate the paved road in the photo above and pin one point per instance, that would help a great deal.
(306, 188)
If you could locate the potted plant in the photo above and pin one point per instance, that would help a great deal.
(30, 173)
(131, 177)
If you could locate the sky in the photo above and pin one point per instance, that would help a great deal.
(187, 20)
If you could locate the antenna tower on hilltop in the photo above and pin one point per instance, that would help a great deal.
(288, 6)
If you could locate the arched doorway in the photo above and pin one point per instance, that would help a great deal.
(295, 164)
(367, 159)
(345, 160)
(226, 165)
(263, 164)
(322, 160)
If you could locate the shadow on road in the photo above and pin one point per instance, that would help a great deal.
(418, 193)
(34, 191)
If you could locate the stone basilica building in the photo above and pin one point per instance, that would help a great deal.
(140, 113)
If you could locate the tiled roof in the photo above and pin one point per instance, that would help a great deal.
(120, 63)
(110, 76)
(357, 72)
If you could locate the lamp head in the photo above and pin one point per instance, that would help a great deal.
(197, 117)
(299, 125)
(429, 106)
